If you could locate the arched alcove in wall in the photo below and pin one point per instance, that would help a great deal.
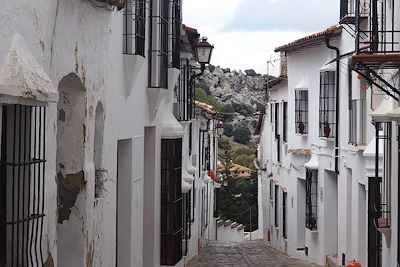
(71, 132)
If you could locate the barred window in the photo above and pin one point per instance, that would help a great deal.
(159, 43)
(176, 33)
(285, 122)
(22, 185)
(276, 205)
(327, 104)
(185, 92)
(171, 201)
(284, 203)
(276, 120)
(301, 111)
(311, 199)
(134, 27)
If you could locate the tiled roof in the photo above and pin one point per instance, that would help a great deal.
(310, 39)
(206, 108)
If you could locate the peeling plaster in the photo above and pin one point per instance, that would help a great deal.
(68, 191)
(49, 262)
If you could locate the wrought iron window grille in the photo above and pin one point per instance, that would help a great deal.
(171, 201)
(357, 121)
(186, 222)
(185, 92)
(284, 208)
(276, 120)
(276, 208)
(327, 104)
(159, 44)
(175, 36)
(134, 36)
(301, 111)
(311, 199)
(383, 131)
(22, 185)
(285, 121)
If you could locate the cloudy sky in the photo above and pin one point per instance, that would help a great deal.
(245, 32)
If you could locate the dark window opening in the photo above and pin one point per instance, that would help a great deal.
(284, 203)
(327, 104)
(171, 201)
(271, 189)
(216, 202)
(276, 205)
(311, 199)
(301, 111)
(158, 63)
(22, 185)
(285, 121)
(271, 112)
(134, 27)
(278, 148)
(374, 236)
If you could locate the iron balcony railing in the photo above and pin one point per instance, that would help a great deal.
(357, 122)
(382, 32)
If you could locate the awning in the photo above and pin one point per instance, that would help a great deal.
(22, 76)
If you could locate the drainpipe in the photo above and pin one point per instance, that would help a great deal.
(327, 42)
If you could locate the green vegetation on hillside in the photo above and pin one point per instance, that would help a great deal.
(202, 96)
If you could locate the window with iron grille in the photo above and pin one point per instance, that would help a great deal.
(185, 92)
(276, 205)
(383, 132)
(22, 185)
(327, 104)
(357, 121)
(271, 112)
(134, 27)
(186, 222)
(278, 148)
(206, 206)
(284, 202)
(159, 43)
(171, 201)
(271, 189)
(285, 122)
(176, 33)
(301, 111)
(276, 120)
(311, 199)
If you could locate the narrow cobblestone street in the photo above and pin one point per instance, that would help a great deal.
(248, 253)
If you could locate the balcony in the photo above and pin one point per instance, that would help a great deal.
(357, 122)
(349, 9)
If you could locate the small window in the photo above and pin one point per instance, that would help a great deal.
(284, 203)
(327, 104)
(285, 118)
(276, 205)
(301, 111)
(311, 199)
(134, 27)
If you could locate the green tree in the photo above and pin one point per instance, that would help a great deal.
(252, 73)
(242, 134)
(201, 96)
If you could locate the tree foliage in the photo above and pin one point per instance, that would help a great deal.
(202, 96)
(242, 134)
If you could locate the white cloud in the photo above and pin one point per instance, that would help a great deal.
(239, 48)
(209, 15)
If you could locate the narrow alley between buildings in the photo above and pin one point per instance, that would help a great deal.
(247, 253)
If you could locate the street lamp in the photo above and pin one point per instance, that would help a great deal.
(220, 129)
(203, 52)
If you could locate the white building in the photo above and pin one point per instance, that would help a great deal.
(96, 169)
(313, 184)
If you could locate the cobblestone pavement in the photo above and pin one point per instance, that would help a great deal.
(248, 253)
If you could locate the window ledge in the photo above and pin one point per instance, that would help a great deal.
(276, 227)
(312, 231)
(328, 139)
(357, 148)
(299, 134)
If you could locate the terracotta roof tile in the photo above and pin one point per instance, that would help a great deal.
(310, 39)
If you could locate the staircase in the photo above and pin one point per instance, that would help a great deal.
(229, 231)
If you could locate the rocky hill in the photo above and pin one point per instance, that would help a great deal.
(238, 95)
